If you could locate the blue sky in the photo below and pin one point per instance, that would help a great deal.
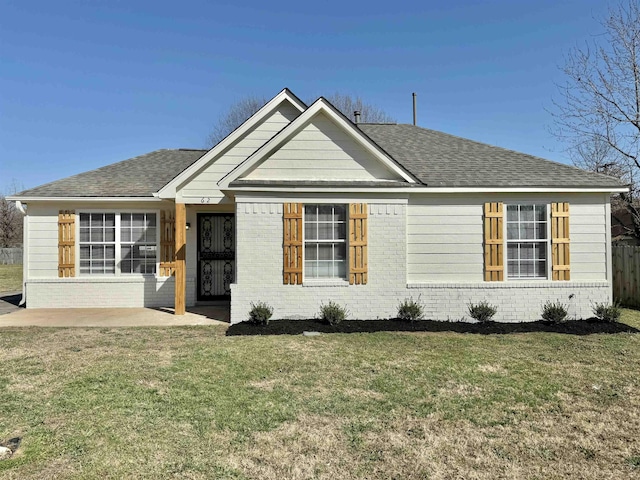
(87, 83)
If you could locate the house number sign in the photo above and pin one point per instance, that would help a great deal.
(205, 200)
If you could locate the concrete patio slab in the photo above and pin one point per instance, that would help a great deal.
(107, 317)
(9, 302)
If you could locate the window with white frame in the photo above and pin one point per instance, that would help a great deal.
(138, 243)
(325, 241)
(527, 241)
(113, 243)
(97, 243)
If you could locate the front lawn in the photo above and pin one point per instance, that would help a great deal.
(10, 278)
(194, 403)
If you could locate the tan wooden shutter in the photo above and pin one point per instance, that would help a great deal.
(167, 243)
(493, 242)
(560, 241)
(292, 245)
(358, 244)
(66, 243)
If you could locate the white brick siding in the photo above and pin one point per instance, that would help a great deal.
(259, 277)
(106, 292)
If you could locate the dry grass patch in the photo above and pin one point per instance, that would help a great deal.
(193, 403)
(10, 278)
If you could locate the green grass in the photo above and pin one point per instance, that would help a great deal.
(10, 278)
(192, 403)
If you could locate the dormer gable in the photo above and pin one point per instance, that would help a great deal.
(320, 145)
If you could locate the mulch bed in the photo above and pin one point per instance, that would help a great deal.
(296, 327)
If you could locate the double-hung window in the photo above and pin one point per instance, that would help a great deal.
(138, 242)
(97, 243)
(527, 241)
(118, 243)
(325, 241)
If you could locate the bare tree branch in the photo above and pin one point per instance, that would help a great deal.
(597, 114)
(240, 111)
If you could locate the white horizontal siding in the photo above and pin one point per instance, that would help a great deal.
(205, 183)
(445, 236)
(444, 241)
(321, 151)
(42, 250)
(588, 234)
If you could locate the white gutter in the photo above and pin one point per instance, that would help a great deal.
(84, 199)
(22, 208)
(410, 190)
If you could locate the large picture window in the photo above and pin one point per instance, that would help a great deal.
(325, 242)
(527, 241)
(113, 243)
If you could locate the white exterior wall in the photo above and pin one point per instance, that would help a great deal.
(437, 261)
(427, 247)
(260, 262)
(445, 235)
(321, 150)
(45, 289)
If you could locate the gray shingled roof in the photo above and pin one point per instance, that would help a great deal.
(438, 159)
(137, 177)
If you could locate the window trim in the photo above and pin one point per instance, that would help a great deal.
(547, 241)
(339, 281)
(118, 257)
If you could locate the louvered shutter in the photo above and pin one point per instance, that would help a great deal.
(560, 241)
(66, 243)
(167, 243)
(292, 244)
(358, 244)
(493, 242)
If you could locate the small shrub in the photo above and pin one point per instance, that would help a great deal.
(333, 313)
(554, 312)
(483, 312)
(607, 312)
(410, 310)
(260, 313)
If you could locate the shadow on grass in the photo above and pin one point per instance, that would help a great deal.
(296, 327)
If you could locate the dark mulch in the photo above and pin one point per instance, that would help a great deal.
(296, 327)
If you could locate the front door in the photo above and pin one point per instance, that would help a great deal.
(216, 255)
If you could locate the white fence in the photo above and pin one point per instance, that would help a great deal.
(10, 256)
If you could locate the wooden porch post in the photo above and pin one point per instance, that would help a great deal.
(181, 278)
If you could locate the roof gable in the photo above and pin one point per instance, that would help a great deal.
(285, 96)
(321, 144)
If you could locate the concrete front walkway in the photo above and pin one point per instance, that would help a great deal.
(107, 317)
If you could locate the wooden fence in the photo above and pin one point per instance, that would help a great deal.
(626, 275)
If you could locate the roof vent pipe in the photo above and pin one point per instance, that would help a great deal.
(415, 109)
(356, 116)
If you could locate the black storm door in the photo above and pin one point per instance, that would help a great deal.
(216, 255)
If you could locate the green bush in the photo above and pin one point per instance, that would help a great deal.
(483, 312)
(410, 310)
(554, 312)
(332, 313)
(606, 312)
(260, 313)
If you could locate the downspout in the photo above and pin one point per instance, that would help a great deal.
(22, 208)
